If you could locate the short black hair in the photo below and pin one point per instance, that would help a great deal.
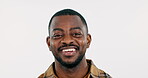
(68, 12)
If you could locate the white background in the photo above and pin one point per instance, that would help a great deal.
(119, 30)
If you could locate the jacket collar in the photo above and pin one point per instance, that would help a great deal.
(94, 71)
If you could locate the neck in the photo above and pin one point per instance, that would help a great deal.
(75, 72)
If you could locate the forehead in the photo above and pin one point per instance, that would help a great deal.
(66, 21)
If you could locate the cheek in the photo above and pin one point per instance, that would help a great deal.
(83, 43)
(53, 45)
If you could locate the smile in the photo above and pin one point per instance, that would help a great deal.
(69, 52)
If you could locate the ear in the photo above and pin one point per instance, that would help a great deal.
(48, 42)
(88, 40)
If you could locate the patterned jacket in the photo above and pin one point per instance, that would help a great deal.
(94, 72)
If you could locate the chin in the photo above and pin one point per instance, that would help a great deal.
(69, 62)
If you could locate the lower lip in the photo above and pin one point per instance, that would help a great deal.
(69, 53)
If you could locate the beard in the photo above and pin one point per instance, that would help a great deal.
(72, 64)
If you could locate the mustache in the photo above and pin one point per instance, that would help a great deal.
(68, 45)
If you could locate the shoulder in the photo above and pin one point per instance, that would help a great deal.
(97, 73)
(49, 72)
(103, 74)
(41, 76)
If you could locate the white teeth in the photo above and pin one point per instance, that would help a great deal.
(66, 50)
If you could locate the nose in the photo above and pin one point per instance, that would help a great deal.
(67, 40)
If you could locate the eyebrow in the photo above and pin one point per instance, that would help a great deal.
(75, 28)
(59, 29)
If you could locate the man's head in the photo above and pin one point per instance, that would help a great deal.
(68, 37)
(67, 12)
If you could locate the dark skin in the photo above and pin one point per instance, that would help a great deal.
(69, 29)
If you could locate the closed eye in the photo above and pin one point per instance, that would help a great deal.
(76, 34)
(56, 36)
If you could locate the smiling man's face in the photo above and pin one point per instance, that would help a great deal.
(68, 40)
